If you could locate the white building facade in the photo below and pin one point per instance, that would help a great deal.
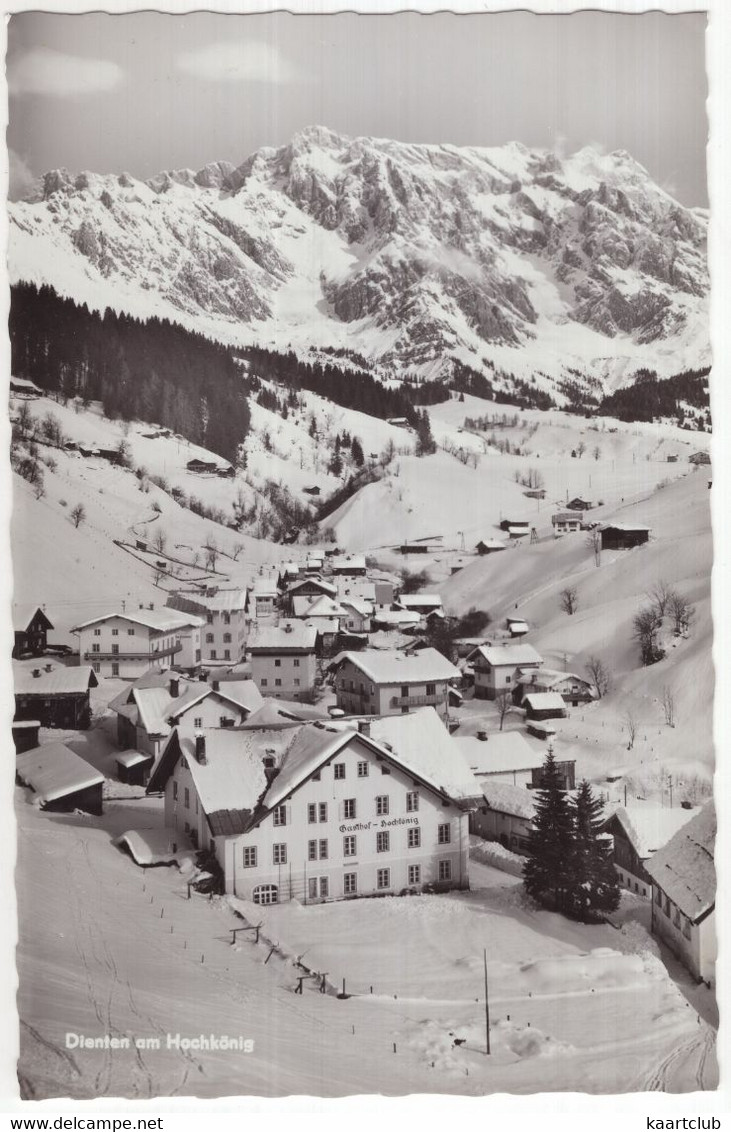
(128, 644)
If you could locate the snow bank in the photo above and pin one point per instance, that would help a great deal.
(154, 846)
(495, 854)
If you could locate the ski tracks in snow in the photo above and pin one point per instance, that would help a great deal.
(685, 1068)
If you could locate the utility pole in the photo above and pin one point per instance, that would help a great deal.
(487, 1006)
(670, 784)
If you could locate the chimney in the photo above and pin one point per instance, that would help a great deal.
(364, 726)
(36, 672)
(270, 767)
(215, 684)
(482, 736)
(48, 667)
(288, 628)
(200, 748)
(151, 605)
(174, 687)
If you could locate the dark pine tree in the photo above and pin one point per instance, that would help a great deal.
(546, 873)
(594, 884)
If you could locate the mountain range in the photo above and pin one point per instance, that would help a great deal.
(412, 257)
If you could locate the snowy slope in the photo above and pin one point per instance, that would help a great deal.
(411, 255)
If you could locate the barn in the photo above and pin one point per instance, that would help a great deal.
(55, 696)
(60, 779)
(30, 627)
(623, 536)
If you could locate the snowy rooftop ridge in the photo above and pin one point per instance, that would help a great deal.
(393, 666)
(501, 752)
(54, 770)
(650, 827)
(684, 868)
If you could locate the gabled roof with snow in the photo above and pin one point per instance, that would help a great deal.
(287, 635)
(60, 681)
(397, 617)
(517, 801)
(567, 517)
(497, 655)
(492, 544)
(225, 601)
(545, 701)
(53, 771)
(684, 867)
(324, 606)
(421, 742)
(326, 587)
(417, 601)
(278, 713)
(393, 666)
(650, 827)
(264, 587)
(24, 614)
(547, 676)
(501, 752)
(627, 527)
(243, 693)
(361, 607)
(311, 746)
(163, 620)
(348, 562)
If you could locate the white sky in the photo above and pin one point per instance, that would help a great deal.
(150, 91)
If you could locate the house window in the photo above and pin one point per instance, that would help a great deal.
(322, 811)
(445, 870)
(507, 679)
(213, 654)
(130, 632)
(250, 856)
(115, 632)
(277, 664)
(296, 683)
(280, 815)
(227, 638)
(115, 668)
(279, 853)
(175, 791)
(349, 808)
(277, 683)
(666, 908)
(266, 894)
(209, 618)
(383, 878)
(349, 846)
(186, 798)
(658, 897)
(414, 874)
(226, 620)
(350, 884)
(96, 666)
(97, 632)
(412, 801)
(312, 812)
(676, 917)
(209, 638)
(404, 692)
(311, 850)
(686, 927)
(444, 834)
(323, 849)
(264, 682)
(115, 648)
(324, 887)
(339, 770)
(362, 770)
(383, 842)
(96, 648)
(295, 663)
(198, 721)
(431, 689)
(414, 837)
(381, 804)
(312, 888)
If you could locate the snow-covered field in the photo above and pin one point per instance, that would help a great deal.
(573, 1007)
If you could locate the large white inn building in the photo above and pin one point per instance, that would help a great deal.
(323, 812)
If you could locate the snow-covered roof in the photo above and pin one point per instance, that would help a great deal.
(24, 614)
(265, 587)
(244, 693)
(163, 620)
(279, 712)
(54, 770)
(324, 624)
(502, 751)
(547, 676)
(628, 527)
(362, 607)
(326, 587)
(545, 701)
(132, 758)
(497, 655)
(324, 606)
(567, 517)
(224, 601)
(349, 562)
(650, 827)
(684, 867)
(417, 601)
(286, 635)
(396, 617)
(311, 746)
(517, 626)
(392, 666)
(60, 681)
(517, 801)
(492, 544)
(421, 742)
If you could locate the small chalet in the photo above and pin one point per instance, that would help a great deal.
(263, 598)
(30, 626)
(517, 627)
(314, 563)
(544, 705)
(638, 832)
(422, 603)
(317, 812)
(283, 659)
(301, 595)
(683, 878)
(289, 572)
(55, 696)
(506, 815)
(574, 689)
(566, 522)
(60, 779)
(202, 467)
(579, 504)
(496, 667)
(699, 458)
(349, 565)
(623, 536)
(516, 528)
(535, 493)
(357, 615)
(390, 681)
(403, 619)
(507, 756)
(489, 546)
(25, 734)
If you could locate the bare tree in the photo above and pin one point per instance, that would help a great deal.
(160, 541)
(599, 674)
(580, 449)
(668, 705)
(660, 595)
(630, 722)
(594, 542)
(568, 600)
(504, 702)
(212, 552)
(78, 514)
(238, 547)
(682, 612)
(646, 623)
(597, 452)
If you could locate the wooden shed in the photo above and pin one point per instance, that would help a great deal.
(60, 779)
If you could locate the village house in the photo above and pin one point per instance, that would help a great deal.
(637, 833)
(496, 667)
(389, 681)
(699, 458)
(283, 659)
(579, 504)
(60, 780)
(147, 711)
(320, 812)
(507, 756)
(25, 734)
(623, 536)
(314, 563)
(505, 815)
(357, 617)
(574, 689)
(489, 546)
(402, 619)
(127, 644)
(55, 696)
(517, 627)
(566, 522)
(223, 634)
(544, 705)
(516, 528)
(301, 595)
(684, 894)
(263, 598)
(289, 572)
(422, 604)
(349, 566)
(30, 627)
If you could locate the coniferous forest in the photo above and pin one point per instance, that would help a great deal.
(151, 370)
